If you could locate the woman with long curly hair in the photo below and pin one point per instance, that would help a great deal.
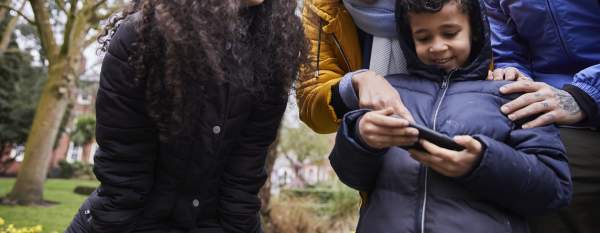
(191, 96)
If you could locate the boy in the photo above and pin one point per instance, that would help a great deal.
(504, 173)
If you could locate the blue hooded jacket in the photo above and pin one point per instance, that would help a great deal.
(556, 42)
(521, 171)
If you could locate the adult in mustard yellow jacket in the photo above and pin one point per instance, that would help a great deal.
(336, 51)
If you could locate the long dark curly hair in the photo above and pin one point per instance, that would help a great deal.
(183, 45)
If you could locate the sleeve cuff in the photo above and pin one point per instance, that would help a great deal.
(587, 104)
(346, 89)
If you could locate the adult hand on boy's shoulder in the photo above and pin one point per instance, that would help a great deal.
(507, 73)
(551, 104)
(448, 162)
(378, 129)
(375, 92)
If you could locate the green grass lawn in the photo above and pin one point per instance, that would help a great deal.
(52, 218)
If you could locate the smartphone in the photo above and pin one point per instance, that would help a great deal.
(436, 138)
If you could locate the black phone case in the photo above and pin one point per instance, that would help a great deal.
(436, 138)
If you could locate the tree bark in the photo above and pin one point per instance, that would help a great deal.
(29, 186)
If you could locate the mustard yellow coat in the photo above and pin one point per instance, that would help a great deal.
(334, 51)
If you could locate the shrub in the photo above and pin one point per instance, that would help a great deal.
(75, 169)
(84, 190)
(331, 208)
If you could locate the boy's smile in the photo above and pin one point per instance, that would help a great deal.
(442, 38)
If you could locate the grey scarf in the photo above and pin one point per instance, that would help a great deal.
(375, 18)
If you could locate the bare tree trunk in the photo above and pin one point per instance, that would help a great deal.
(86, 152)
(29, 186)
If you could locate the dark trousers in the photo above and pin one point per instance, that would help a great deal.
(583, 214)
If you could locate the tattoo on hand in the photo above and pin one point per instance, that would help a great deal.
(567, 102)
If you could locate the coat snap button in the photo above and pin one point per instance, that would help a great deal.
(216, 129)
(195, 202)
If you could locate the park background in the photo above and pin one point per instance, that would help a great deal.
(49, 70)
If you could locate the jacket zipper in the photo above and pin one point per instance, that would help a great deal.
(444, 89)
(337, 44)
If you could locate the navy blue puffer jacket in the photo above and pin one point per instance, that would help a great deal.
(521, 172)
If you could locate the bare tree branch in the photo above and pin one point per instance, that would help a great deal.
(89, 41)
(42, 18)
(8, 30)
(32, 22)
(61, 5)
(100, 17)
(97, 5)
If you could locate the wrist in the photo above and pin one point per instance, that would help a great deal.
(357, 78)
(585, 102)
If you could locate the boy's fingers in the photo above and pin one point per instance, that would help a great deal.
(435, 150)
(401, 110)
(394, 131)
(470, 143)
(425, 158)
(384, 111)
(490, 75)
(389, 122)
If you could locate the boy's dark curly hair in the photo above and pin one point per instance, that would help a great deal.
(468, 7)
(183, 45)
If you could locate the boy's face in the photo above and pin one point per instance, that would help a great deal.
(442, 38)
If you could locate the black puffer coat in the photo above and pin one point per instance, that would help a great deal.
(209, 184)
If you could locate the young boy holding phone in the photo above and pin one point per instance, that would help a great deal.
(504, 172)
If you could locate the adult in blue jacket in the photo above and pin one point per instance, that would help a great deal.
(557, 43)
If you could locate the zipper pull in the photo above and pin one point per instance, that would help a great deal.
(445, 84)
(447, 79)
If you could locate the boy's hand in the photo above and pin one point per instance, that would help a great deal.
(379, 130)
(508, 73)
(374, 92)
(554, 105)
(448, 162)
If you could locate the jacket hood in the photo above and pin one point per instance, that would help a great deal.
(479, 61)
